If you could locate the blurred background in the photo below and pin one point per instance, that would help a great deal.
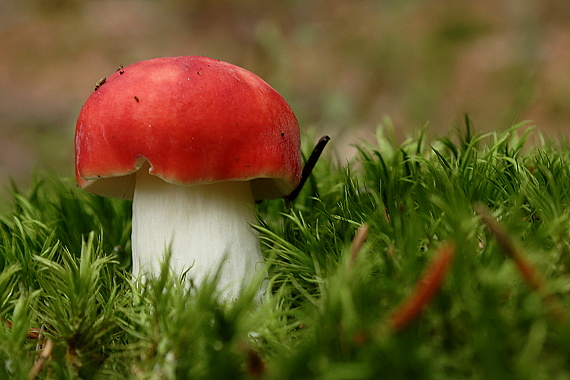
(344, 66)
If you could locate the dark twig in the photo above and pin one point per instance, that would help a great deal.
(308, 168)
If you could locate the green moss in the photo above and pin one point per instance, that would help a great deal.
(65, 267)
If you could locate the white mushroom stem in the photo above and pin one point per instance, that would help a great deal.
(204, 226)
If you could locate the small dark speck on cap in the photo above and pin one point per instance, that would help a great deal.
(100, 83)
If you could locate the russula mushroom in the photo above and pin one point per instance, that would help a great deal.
(193, 142)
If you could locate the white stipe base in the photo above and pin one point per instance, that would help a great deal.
(204, 226)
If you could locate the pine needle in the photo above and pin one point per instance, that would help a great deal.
(425, 289)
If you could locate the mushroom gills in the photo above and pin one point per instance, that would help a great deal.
(206, 227)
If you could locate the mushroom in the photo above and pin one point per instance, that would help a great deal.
(193, 142)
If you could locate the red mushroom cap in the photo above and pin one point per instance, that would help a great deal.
(195, 120)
